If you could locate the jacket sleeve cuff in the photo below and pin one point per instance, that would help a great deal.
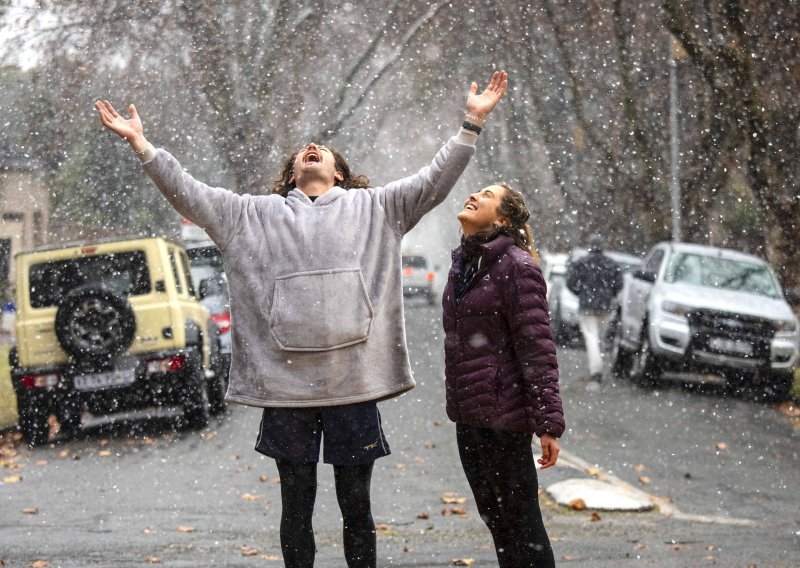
(148, 154)
(467, 137)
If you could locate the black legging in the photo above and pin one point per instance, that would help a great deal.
(298, 492)
(501, 472)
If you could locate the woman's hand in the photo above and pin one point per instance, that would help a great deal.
(479, 106)
(550, 451)
(129, 129)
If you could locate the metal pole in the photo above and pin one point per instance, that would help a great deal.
(675, 182)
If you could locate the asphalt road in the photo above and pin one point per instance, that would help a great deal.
(724, 472)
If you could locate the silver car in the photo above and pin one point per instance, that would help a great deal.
(564, 318)
(705, 310)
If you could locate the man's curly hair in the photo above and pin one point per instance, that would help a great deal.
(282, 186)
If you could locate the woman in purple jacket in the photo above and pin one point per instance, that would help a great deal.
(501, 371)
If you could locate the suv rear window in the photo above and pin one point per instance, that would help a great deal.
(414, 262)
(126, 273)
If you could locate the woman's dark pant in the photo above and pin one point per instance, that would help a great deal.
(298, 493)
(501, 472)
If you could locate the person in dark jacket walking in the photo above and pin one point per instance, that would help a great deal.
(596, 280)
(501, 372)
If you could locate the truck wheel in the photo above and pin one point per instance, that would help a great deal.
(431, 296)
(68, 413)
(776, 387)
(645, 368)
(195, 405)
(555, 323)
(218, 385)
(34, 412)
(619, 359)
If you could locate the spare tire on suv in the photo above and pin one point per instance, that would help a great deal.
(93, 321)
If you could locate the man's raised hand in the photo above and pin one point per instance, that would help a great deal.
(130, 129)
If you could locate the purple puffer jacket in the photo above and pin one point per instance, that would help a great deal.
(500, 360)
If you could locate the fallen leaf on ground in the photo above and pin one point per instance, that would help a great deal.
(424, 515)
(382, 527)
(788, 408)
(12, 479)
(148, 530)
(248, 550)
(709, 558)
(408, 549)
(594, 517)
(400, 466)
(41, 462)
(40, 564)
(577, 504)
(462, 561)
(104, 442)
(655, 499)
(639, 468)
(570, 557)
(185, 529)
(644, 480)
(63, 454)
(452, 499)
(640, 546)
(270, 557)
(429, 445)
(263, 478)
(152, 560)
(104, 453)
(31, 511)
(454, 511)
(721, 446)
(437, 422)
(250, 497)
(593, 471)
(419, 459)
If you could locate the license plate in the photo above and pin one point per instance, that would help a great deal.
(96, 381)
(737, 346)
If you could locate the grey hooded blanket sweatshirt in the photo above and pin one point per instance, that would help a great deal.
(316, 297)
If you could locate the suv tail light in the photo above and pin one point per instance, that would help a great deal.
(431, 276)
(39, 381)
(223, 321)
(166, 365)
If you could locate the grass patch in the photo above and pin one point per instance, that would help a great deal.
(796, 387)
(8, 400)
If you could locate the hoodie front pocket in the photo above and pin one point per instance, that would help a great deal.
(320, 310)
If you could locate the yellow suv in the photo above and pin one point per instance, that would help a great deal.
(106, 327)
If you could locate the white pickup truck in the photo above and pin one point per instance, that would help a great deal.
(705, 311)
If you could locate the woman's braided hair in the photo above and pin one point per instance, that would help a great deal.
(512, 207)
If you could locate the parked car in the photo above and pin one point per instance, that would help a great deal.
(419, 276)
(702, 309)
(564, 318)
(109, 326)
(211, 282)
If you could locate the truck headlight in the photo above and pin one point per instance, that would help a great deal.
(786, 326)
(676, 309)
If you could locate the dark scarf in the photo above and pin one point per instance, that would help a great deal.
(469, 264)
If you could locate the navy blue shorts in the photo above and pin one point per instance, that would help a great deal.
(352, 432)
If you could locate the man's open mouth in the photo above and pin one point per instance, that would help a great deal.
(470, 207)
(312, 156)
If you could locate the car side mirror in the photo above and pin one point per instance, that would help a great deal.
(644, 275)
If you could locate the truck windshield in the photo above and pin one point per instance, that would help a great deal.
(715, 272)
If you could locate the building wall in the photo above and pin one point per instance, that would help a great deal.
(24, 210)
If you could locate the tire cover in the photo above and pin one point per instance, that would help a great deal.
(95, 321)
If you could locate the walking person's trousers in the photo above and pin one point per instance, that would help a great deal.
(593, 325)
